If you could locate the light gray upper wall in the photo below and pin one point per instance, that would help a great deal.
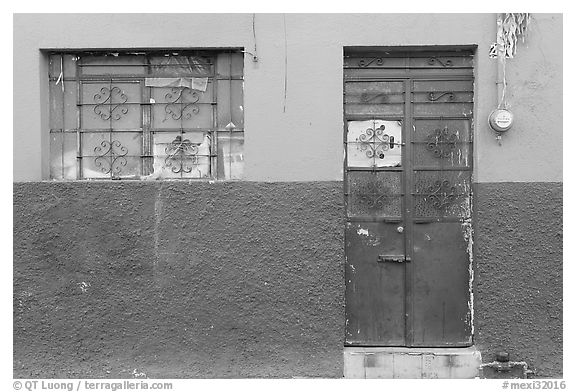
(304, 141)
(532, 149)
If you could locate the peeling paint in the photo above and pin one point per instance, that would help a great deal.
(137, 374)
(509, 367)
(372, 240)
(468, 233)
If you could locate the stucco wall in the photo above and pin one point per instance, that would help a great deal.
(304, 142)
(178, 280)
(245, 279)
(518, 274)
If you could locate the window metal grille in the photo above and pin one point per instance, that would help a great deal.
(133, 115)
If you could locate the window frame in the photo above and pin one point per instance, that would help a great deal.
(225, 126)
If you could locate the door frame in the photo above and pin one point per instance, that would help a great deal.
(407, 123)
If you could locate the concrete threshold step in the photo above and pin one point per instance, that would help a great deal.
(406, 362)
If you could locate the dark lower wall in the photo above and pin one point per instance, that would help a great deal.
(518, 275)
(245, 279)
(178, 279)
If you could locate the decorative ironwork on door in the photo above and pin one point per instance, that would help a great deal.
(408, 197)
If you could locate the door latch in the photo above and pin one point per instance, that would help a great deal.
(393, 258)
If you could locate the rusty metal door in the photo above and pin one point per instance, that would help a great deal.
(408, 143)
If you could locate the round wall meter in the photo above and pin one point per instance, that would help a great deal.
(500, 120)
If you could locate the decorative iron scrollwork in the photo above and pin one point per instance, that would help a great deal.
(367, 61)
(441, 143)
(181, 155)
(178, 107)
(106, 99)
(441, 194)
(371, 196)
(433, 97)
(365, 97)
(375, 142)
(110, 157)
(445, 63)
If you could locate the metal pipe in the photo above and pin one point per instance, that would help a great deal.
(501, 78)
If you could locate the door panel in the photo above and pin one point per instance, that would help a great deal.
(408, 146)
(374, 98)
(375, 194)
(374, 283)
(441, 314)
(374, 143)
(441, 194)
(442, 98)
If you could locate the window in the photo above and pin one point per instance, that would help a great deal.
(133, 115)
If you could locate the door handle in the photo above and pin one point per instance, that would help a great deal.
(393, 258)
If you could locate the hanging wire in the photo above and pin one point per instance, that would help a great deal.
(503, 104)
(285, 62)
(255, 55)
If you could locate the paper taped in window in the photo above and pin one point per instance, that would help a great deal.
(199, 84)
